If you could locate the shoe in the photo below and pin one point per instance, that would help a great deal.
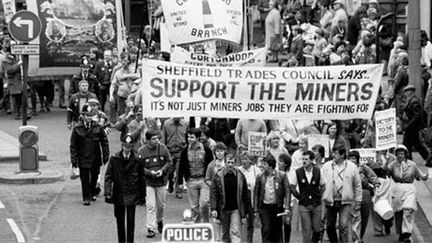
(42, 110)
(387, 229)
(93, 198)
(179, 195)
(34, 113)
(160, 226)
(86, 203)
(170, 188)
(97, 191)
(150, 234)
(406, 237)
(8, 111)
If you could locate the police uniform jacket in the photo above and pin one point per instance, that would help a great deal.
(74, 106)
(89, 146)
(123, 179)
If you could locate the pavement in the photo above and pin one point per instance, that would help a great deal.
(10, 171)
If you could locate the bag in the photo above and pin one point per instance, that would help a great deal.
(74, 173)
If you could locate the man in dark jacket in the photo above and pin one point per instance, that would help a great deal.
(193, 166)
(310, 188)
(123, 187)
(88, 149)
(230, 200)
(157, 164)
(84, 75)
(76, 103)
(103, 71)
(413, 121)
(272, 195)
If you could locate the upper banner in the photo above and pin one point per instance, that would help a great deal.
(246, 58)
(191, 21)
(70, 28)
(324, 92)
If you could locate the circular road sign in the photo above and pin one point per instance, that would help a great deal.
(25, 26)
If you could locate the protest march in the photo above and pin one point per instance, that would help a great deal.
(272, 117)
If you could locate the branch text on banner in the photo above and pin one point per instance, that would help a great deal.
(385, 129)
(246, 58)
(191, 21)
(336, 92)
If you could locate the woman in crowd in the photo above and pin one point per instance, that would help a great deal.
(275, 145)
(336, 139)
(319, 155)
(404, 171)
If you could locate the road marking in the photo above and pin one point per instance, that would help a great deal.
(16, 230)
(1, 205)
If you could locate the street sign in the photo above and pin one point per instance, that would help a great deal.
(28, 49)
(25, 26)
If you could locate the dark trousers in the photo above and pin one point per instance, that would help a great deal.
(17, 101)
(89, 178)
(103, 94)
(364, 210)
(271, 229)
(411, 139)
(120, 212)
(344, 211)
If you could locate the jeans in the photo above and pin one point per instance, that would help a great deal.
(360, 218)
(231, 226)
(119, 213)
(344, 211)
(121, 106)
(310, 222)
(199, 199)
(271, 225)
(89, 178)
(155, 202)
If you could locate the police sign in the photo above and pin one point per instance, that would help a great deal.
(202, 232)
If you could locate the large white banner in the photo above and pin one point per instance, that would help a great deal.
(385, 129)
(191, 21)
(332, 92)
(245, 58)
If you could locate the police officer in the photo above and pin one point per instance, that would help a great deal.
(88, 149)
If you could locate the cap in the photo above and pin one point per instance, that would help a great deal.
(128, 139)
(87, 110)
(409, 87)
(401, 147)
(373, 1)
(93, 101)
(85, 62)
(339, 1)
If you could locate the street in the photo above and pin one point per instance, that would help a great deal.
(54, 212)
